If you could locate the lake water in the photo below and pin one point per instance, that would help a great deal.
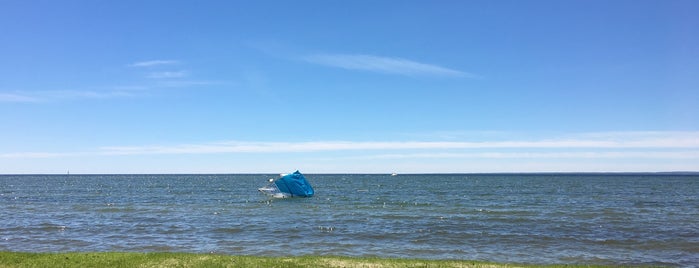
(524, 218)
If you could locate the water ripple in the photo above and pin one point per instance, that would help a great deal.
(523, 218)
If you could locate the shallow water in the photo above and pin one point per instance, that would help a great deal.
(525, 218)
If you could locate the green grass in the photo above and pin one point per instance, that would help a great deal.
(119, 259)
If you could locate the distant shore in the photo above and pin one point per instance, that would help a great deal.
(164, 259)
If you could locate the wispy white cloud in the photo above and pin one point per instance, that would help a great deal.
(634, 141)
(152, 63)
(612, 145)
(694, 154)
(86, 94)
(387, 65)
(18, 97)
(167, 74)
(159, 78)
(115, 92)
(37, 155)
(59, 95)
(637, 135)
(166, 83)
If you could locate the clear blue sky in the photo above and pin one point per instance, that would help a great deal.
(348, 86)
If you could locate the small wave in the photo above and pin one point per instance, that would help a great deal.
(228, 230)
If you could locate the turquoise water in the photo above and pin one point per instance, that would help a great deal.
(525, 218)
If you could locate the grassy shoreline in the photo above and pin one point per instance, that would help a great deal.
(164, 259)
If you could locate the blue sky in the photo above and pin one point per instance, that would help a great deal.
(348, 86)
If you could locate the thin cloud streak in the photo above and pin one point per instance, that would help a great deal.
(384, 65)
(165, 75)
(160, 79)
(58, 95)
(682, 140)
(86, 94)
(152, 63)
(545, 155)
(671, 145)
(20, 98)
(115, 92)
(38, 155)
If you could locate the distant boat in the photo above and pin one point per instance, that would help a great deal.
(394, 174)
(288, 185)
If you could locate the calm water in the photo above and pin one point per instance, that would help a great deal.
(552, 218)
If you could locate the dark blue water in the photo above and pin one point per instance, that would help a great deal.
(531, 218)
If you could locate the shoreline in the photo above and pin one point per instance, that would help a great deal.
(173, 259)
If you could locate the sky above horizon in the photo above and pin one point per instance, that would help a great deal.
(348, 86)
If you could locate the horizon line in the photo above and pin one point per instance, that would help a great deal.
(677, 172)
